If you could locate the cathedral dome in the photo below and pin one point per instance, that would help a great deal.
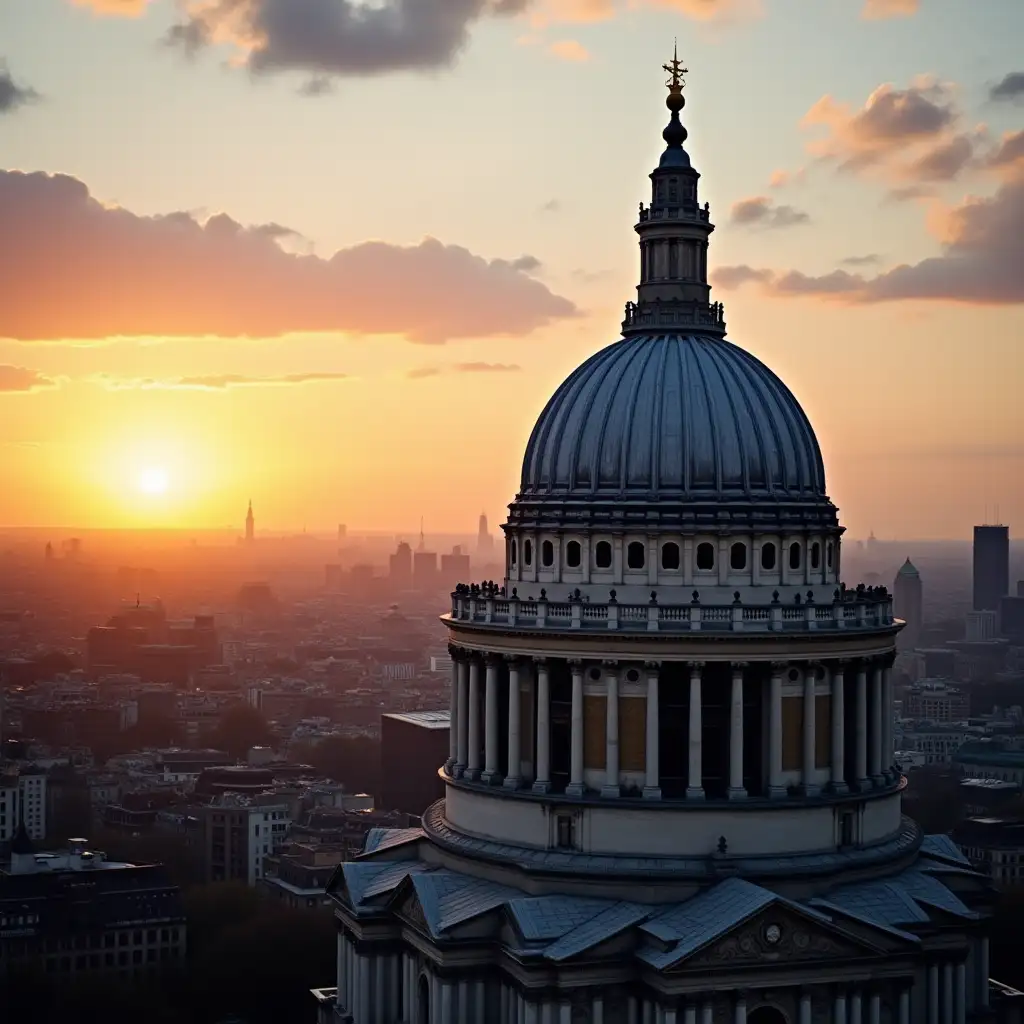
(673, 418)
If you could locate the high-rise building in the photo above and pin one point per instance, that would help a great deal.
(250, 524)
(991, 566)
(400, 565)
(484, 539)
(908, 600)
(670, 791)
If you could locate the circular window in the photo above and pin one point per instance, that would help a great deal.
(768, 557)
(635, 555)
(738, 557)
(512, 552)
(670, 556)
(595, 673)
(794, 555)
(572, 554)
(794, 675)
(815, 555)
(603, 555)
(705, 557)
(547, 553)
(528, 551)
(632, 675)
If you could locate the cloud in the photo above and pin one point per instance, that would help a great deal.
(577, 12)
(878, 9)
(214, 382)
(569, 49)
(760, 211)
(13, 95)
(77, 270)
(1011, 87)
(316, 85)
(124, 8)
(422, 372)
(551, 206)
(982, 259)
(17, 378)
(867, 260)
(722, 11)
(1008, 154)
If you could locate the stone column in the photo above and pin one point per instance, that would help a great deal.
(597, 1010)
(810, 787)
(611, 731)
(856, 1008)
(479, 1000)
(740, 1011)
(983, 970)
(888, 754)
(874, 1008)
(838, 730)
(503, 1004)
(875, 728)
(632, 1011)
(805, 1008)
(339, 971)
(690, 1014)
(861, 735)
(707, 1013)
(515, 760)
(564, 1013)
(736, 789)
(776, 789)
(361, 1000)
(453, 720)
(652, 783)
(473, 735)
(933, 994)
(839, 1008)
(490, 774)
(379, 968)
(903, 1013)
(695, 776)
(960, 993)
(668, 1015)
(446, 1003)
(465, 713)
(947, 993)
(542, 773)
(575, 787)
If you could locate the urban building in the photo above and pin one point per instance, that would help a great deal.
(990, 759)
(400, 565)
(936, 700)
(413, 745)
(991, 566)
(424, 570)
(984, 797)
(484, 537)
(994, 846)
(670, 792)
(74, 911)
(938, 744)
(454, 566)
(23, 800)
(981, 626)
(908, 601)
(1011, 616)
(239, 833)
(250, 525)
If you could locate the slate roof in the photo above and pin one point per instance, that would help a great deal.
(943, 848)
(387, 838)
(549, 917)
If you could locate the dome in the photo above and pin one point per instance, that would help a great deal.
(673, 418)
(908, 569)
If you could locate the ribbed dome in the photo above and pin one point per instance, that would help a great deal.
(673, 417)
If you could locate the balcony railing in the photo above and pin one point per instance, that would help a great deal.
(488, 606)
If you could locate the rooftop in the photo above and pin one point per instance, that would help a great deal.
(424, 719)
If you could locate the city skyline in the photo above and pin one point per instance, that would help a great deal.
(312, 399)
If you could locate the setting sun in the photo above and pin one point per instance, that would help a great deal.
(153, 480)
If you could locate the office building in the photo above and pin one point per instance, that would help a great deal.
(908, 601)
(991, 566)
(413, 745)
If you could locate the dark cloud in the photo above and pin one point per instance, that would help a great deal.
(1008, 153)
(340, 37)
(867, 260)
(12, 94)
(317, 85)
(760, 211)
(71, 268)
(982, 261)
(944, 161)
(17, 378)
(525, 264)
(1010, 88)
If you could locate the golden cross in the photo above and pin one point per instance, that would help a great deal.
(675, 68)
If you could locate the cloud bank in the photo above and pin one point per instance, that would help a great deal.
(72, 268)
(215, 382)
(17, 378)
(1010, 87)
(421, 372)
(760, 211)
(12, 94)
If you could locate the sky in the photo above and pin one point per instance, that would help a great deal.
(335, 255)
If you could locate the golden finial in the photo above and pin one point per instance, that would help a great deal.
(675, 69)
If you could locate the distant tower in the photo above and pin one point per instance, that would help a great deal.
(342, 532)
(484, 541)
(423, 542)
(49, 551)
(991, 566)
(909, 603)
(250, 525)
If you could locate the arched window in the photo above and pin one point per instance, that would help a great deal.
(603, 555)
(794, 555)
(830, 553)
(670, 555)
(635, 555)
(815, 555)
(768, 557)
(528, 551)
(547, 554)
(738, 556)
(768, 1014)
(705, 557)
(572, 554)
(423, 997)
(513, 552)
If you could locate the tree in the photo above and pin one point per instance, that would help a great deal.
(239, 728)
(352, 761)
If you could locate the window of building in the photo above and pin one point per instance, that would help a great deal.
(794, 555)
(829, 553)
(705, 557)
(513, 552)
(603, 555)
(738, 556)
(635, 555)
(547, 554)
(768, 557)
(846, 828)
(528, 551)
(815, 555)
(565, 832)
(573, 554)
(670, 556)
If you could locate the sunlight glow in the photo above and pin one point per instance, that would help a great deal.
(154, 480)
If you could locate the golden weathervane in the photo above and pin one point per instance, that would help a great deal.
(675, 69)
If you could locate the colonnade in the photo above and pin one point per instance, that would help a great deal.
(861, 723)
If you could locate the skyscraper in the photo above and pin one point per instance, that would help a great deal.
(991, 566)
(484, 540)
(908, 605)
(250, 525)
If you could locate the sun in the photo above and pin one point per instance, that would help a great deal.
(153, 480)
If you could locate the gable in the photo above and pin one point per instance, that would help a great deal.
(411, 910)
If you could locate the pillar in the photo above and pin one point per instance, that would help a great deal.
(597, 1010)
(446, 1003)
(875, 1008)
(542, 773)
(875, 728)
(490, 774)
(947, 994)
(361, 998)
(564, 1013)
(473, 732)
(453, 716)
(960, 993)
(575, 787)
(839, 1008)
(339, 972)
(888, 753)
(695, 776)
(856, 1008)
(611, 733)
(515, 760)
(838, 774)
(668, 1015)
(805, 1008)
(461, 724)
(810, 787)
(933, 994)
(690, 1014)
(707, 1013)
(903, 1013)
(736, 790)
(776, 789)
(632, 1011)
(740, 1011)
(652, 783)
(861, 728)
(379, 969)
(983, 970)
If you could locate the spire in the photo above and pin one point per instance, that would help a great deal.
(250, 523)
(673, 293)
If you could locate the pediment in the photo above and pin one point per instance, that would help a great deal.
(411, 910)
(777, 933)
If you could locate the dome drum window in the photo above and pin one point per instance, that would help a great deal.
(768, 557)
(794, 555)
(816, 555)
(635, 555)
(738, 557)
(528, 552)
(513, 551)
(670, 556)
(603, 555)
(705, 557)
(573, 555)
(547, 554)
